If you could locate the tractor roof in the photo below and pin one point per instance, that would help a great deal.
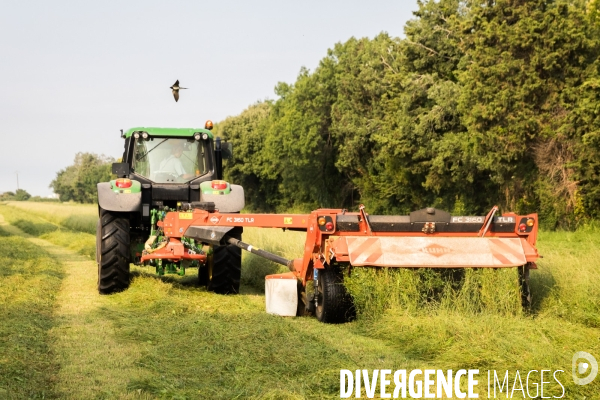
(175, 132)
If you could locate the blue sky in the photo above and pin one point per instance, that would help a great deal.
(74, 73)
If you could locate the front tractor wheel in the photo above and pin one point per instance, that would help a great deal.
(334, 304)
(112, 248)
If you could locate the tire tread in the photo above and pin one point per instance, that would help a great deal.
(337, 303)
(113, 242)
(227, 268)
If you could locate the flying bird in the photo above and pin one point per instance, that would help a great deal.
(175, 89)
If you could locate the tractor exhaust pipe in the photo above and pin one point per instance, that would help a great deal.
(218, 159)
(260, 252)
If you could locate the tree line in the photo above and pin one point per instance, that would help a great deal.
(78, 182)
(481, 103)
(18, 195)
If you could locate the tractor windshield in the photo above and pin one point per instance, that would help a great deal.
(168, 160)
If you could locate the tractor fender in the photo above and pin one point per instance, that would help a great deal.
(227, 203)
(110, 200)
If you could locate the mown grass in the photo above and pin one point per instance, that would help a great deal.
(41, 226)
(175, 340)
(201, 345)
(29, 282)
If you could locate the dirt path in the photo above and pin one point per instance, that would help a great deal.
(83, 341)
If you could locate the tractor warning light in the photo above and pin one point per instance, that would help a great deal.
(522, 227)
(208, 125)
(530, 222)
(123, 183)
(321, 221)
(329, 226)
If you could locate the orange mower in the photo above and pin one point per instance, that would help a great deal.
(337, 240)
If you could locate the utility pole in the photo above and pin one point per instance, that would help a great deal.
(17, 179)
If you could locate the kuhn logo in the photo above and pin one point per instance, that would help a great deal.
(214, 220)
(436, 250)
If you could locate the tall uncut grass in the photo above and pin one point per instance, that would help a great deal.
(565, 285)
(73, 216)
(288, 244)
(375, 290)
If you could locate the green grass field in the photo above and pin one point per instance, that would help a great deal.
(72, 216)
(167, 338)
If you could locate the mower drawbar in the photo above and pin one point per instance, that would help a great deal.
(260, 252)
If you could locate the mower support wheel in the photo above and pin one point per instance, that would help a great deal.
(334, 304)
(526, 297)
(304, 305)
(227, 267)
(112, 247)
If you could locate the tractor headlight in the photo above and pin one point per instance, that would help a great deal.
(136, 135)
(205, 136)
(145, 135)
(197, 136)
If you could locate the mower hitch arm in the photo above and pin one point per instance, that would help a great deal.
(260, 252)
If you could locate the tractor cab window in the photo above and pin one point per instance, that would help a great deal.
(168, 160)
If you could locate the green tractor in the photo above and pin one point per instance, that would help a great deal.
(162, 170)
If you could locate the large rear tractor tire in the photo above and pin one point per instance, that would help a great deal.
(112, 247)
(98, 241)
(227, 267)
(334, 304)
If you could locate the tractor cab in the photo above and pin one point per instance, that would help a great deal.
(163, 170)
(168, 160)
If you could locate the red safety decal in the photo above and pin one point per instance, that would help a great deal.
(507, 251)
(369, 250)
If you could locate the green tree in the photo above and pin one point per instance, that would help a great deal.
(22, 195)
(482, 103)
(247, 132)
(7, 196)
(78, 182)
(299, 145)
(524, 62)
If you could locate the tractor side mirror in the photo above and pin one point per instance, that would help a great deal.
(121, 170)
(226, 150)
